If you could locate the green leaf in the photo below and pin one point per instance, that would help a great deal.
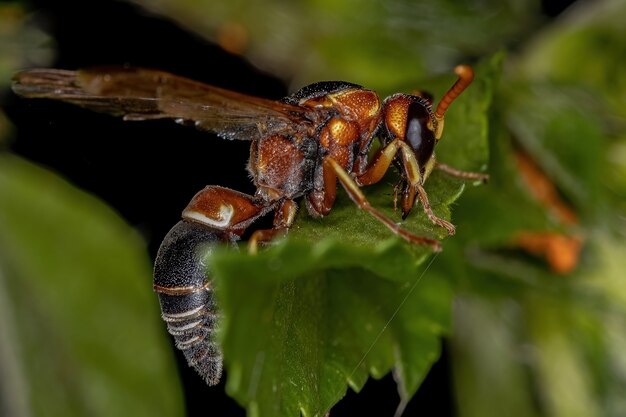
(80, 328)
(342, 297)
(303, 321)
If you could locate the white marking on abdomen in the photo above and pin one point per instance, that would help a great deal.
(186, 344)
(225, 216)
(185, 327)
(184, 314)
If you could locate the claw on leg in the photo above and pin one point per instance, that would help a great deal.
(262, 236)
(429, 212)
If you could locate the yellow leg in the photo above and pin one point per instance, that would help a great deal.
(413, 185)
(283, 219)
(355, 193)
(429, 212)
(476, 176)
(382, 160)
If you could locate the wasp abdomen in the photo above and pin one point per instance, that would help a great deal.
(186, 295)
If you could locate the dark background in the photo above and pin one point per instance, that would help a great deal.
(148, 171)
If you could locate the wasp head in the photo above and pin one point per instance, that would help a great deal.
(411, 119)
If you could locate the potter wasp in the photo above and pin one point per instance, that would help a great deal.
(301, 147)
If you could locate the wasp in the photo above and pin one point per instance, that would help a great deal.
(301, 147)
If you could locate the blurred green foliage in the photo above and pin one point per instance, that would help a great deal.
(22, 43)
(526, 341)
(341, 299)
(80, 328)
(381, 44)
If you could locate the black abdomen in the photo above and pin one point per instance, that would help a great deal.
(186, 295)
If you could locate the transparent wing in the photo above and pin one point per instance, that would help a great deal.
(143, 94)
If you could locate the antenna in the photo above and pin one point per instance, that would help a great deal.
(466, 75)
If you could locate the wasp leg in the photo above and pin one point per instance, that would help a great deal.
(381, 162)
(333, 172)
(477, 176)
(283, 219)
(429, 212)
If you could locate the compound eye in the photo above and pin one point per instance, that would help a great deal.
(417, 133)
